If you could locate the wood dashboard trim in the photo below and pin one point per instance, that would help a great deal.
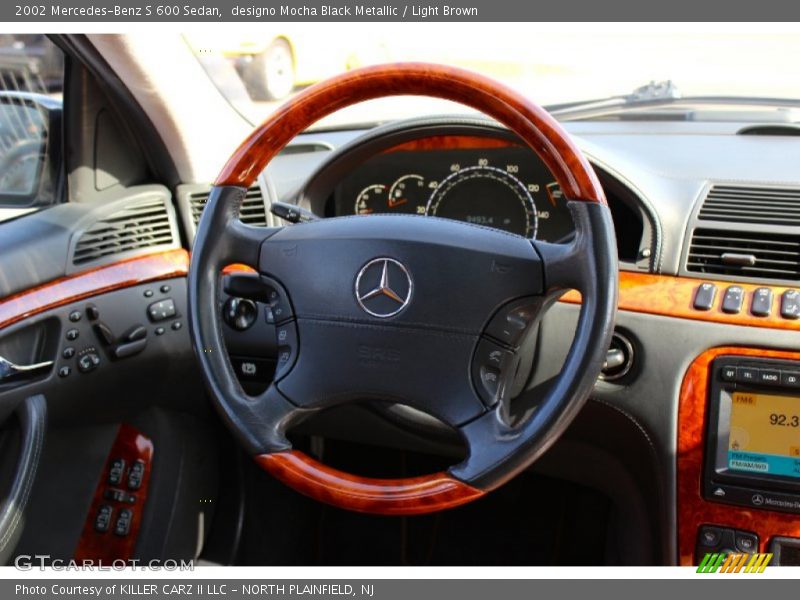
(693, 510)
(452, 142)
(672, 296)
(126, 273)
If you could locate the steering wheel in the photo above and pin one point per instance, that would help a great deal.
(415, 310)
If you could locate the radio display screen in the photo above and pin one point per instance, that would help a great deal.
(764, 434)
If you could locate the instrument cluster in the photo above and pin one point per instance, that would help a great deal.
(484, 181)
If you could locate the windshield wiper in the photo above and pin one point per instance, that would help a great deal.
(657, 95)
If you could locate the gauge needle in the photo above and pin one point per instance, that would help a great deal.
(396, 202)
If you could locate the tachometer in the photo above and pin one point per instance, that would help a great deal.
(488, 196)
(372, 199)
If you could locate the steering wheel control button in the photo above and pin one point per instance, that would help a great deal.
(103, 519)
(383, 287)
(790, 304)
(239, 313)
(253, 369)
(491, 368)
(123, 524)
(286, 336)
(73, 334)
(762, 302)
(732, 300)
(705, 296)
(116, 471)
(512, 321)
(136, 475)
(162, 310)
(747, 375)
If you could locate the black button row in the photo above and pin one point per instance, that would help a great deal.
(495, 361)
(761, 376)
(760, 304)
(716, 539)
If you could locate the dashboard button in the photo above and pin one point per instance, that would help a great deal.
(762, 302)
(732, 300)
(709, 537)
(746, 542)
(790, 304)
(747, 375)
(790, 379)
(769, 376)
(704, 297)
(728, 373)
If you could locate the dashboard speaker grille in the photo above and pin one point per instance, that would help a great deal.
(141, 225)
(762, 205)
(253, 211)
(744, 254)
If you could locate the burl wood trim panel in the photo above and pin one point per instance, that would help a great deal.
(693, 510)
(153, 267)
(532, 123)
(674, 297)
(410, 496)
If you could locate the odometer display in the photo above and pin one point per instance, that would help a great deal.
(485, 195)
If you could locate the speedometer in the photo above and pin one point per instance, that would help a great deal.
(486, 195)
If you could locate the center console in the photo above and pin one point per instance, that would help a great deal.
(738, 461)
(753, 433)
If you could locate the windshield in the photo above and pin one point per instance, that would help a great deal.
(259, 67)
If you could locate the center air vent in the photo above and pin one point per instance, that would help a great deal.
(253, 211)
(761, 205)
(744, 254)
(141, 225)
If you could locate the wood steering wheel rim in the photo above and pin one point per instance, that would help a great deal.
(530, 122)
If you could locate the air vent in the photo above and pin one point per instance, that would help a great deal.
(762, 205)
(141, 225)
(744, 254)
(253, 211)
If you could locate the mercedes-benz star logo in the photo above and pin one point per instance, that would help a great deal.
(383, 287)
